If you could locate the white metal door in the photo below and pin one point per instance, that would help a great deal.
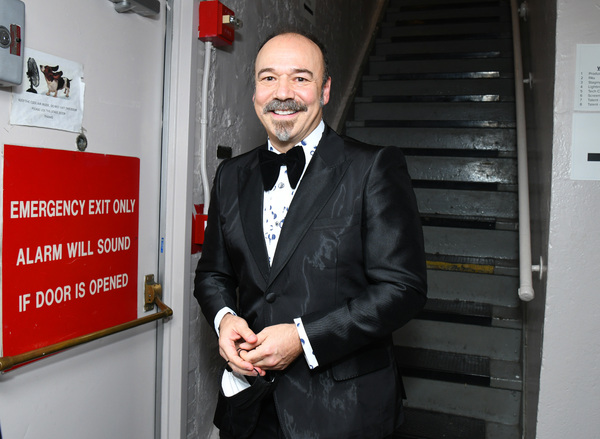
(107, 388)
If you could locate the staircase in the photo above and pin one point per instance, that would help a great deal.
(440, 85)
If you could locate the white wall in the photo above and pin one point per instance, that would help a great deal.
(345, 27)
(570, 380)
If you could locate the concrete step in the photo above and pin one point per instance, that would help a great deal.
(490, 289)
(423, 424)
(467, 204)
(472, 243)
(430, 124)
(426, 424)
(469, 222)
(440, 3)
(390, 47)
(463, 169)
(463, 98)
(495, 343)
(502, 141)
(375, 86)
(494, 406)
(381, 65)
(405, 14)
(472, 264)
(390, 30)
(459, 368)
(431, 111)
(472, 313)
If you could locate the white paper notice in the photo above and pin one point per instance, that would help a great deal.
(585, 146)
(51, 94)
(587, 81)
(585, 150)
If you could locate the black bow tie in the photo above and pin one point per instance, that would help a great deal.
(270, 164)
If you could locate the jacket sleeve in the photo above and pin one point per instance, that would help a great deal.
(394, 266)
(215, 282)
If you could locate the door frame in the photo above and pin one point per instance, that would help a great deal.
(176, 212)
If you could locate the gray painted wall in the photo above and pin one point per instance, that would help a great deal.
(538, 36)
(346, 28)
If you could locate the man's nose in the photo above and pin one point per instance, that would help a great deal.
(284, 90)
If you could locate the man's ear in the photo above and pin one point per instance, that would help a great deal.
(326, 91)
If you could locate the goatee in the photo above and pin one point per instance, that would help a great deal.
(283, 129)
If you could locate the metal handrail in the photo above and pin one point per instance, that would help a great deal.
(7, 363)
(526, 292)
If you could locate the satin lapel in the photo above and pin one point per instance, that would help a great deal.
(251, 204)
(322, 176)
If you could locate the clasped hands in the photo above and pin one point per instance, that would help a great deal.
(247, 353)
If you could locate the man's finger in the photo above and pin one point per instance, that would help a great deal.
(247, 334)
(248, 346)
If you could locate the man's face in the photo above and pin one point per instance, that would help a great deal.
(289, 93)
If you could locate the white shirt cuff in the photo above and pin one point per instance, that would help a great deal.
(309, 355)
(220, 316)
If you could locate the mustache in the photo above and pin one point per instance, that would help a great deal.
(287, 105)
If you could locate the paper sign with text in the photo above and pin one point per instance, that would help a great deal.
(69, 245)
(55, 99)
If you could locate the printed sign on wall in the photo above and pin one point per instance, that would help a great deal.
(585, 146)
(69, 245)
(51, 94)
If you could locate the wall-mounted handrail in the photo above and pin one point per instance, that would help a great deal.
(526, 292)
(15, 360)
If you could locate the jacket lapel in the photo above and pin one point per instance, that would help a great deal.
(320, 180)
(251, 205)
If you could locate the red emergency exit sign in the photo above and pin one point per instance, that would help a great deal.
(69, 245)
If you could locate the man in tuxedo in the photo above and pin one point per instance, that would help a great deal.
(313, 256)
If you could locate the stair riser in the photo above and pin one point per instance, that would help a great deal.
(464, 400)
(473, 287)
(502, 140)
(380, 66)
(388, 31)
(467, 203)
(496, 244)
(440, 3)
(440, 87)
(460, 169)
(492, 342)
(494, 111)
(389, 48)
(403, 16)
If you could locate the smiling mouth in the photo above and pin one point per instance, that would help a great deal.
(284, 113)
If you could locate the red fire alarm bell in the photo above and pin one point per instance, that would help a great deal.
(216, 23)
(198, 225)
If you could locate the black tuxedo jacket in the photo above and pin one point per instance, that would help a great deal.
(349, 262)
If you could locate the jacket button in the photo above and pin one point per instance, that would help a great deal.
(270, 297)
